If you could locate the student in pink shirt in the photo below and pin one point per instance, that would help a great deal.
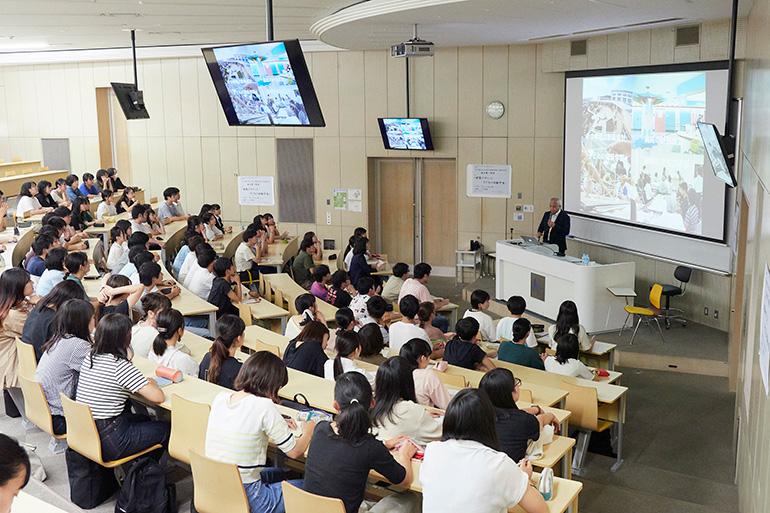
(428, 387)
(416, 287)
(321, 278)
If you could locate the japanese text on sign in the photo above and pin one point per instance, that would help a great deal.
(489, 181)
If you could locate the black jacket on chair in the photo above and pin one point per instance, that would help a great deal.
(558, 234)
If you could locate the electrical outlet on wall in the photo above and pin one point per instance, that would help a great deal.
(705, 310)
(716, 314)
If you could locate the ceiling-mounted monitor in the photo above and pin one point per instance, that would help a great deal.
(131, 100)
(715, 149)
(405, 133)
(263, 84)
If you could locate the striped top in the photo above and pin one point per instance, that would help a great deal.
(239, 433)
(106, 385)
(58, 370)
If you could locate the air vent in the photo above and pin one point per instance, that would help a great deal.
(121, 15)
(666, 21)
(578, 47)
(688, 36)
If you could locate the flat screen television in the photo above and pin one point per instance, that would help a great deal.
(405, 133)
(131, 100)
(263, 84)
(716, 152)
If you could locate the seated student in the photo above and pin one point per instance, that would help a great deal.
(185, 249)
(151, 277)
(118, 254)
(426, 314)
(516, 306)
(28, 203)
(242, 423)
(226, 288)
(249, 253)
(70, 233)
(407, 328)
(392, 287)
(216, 210)
(348, 253)
(77, 266)
(117, 295)
(63, 356)
(516, 351)
(139, 224)
(467, 464)
(107, 379)
(80, 217)
(272, 228)
(156, 226)
(219, 365)
(191, 260)
(478, 310)
(61, 231)
(345, 322)
(396, 411)
(303, 264)
(199, 281)
(463, 350)
(40, 247)
(134, 250)
(372, 344)
(306, 305)
(348, 446)
(106, 207)
(428, 387)
(321, 278)
(54, 271)
(416, 287)
(312, 237)
(515, 427)
(87, 188)
(103, 182)
(566, 361)
(359, 268)
(38, 327)
(59, 193)
(127, 201)
(117, 185)
(170, 326)
(210, 223)
(305, 353)
(73, 190)
(139, 260)
(15, 471)
(43, 195)
(144, 332)
(366, 291)
(376, 313)
(567, 321)
(348, 350)
(339, 293)
(170, 211)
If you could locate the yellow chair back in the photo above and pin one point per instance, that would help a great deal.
(188, 428)
(36, 405)
(83, 437)
(455, 380)
(300, 501)
(217, 486)
(582, 402)
(27, 360)
(525, 395)
(655, 294)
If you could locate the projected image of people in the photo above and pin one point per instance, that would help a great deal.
(261, 84)
(642, 156)
(405, 134)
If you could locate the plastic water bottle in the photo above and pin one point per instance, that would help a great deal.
(585, 259)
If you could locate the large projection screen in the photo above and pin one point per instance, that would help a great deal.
(635, 172)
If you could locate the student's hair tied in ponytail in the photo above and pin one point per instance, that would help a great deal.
(354, 400)
(353, 389)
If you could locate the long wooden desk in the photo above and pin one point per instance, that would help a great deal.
(11, 185)
(291, 290)
(603, 353)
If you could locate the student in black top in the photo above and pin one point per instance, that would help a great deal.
(80, 218)
(463, 350)
(117, 185)
(338, 295)
(347, 446)
(219, 365)
(359, 268)
(222, 294)
(117, 295)
(38, 328)
(372, 344)
(44, 195)
(515, 427)
(306, 352)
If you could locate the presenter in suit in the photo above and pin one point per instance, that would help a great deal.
(555, 226)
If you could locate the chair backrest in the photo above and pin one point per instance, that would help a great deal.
(82, 436)
(582, 402)
(217, 486)
(258, 345)
(35, 404)
(525, 395)
(153, 200)
(683, 273)
(27, 360)
(232, 247)
(655, 293)
(299, 501)
(45, 168)
(16, 159)
(292, 248)
(244, 312)
(455, 380)
(341, 261)
(188, 428)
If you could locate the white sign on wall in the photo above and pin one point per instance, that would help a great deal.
(256, 191)
(489, 181)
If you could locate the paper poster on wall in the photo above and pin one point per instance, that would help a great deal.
(355, 194)
(355, 206)
(489, 181)
(340, 199)
(764, 333)
(256, 191)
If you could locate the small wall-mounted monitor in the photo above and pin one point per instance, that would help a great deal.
(717, 154)
(131, 100)
(264, 84)
(405, 133)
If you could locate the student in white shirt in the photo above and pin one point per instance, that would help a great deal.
(210, 223)
(139, 224)
(348, 350)
(466, 470)
(199, 281)
(566, 360)
(106, 207)
(366, 290)
(250, 252)
(407, 328)
(170, 326)
(144, 332)
(376, 313)
(479, 306)
(516, 306)
(28, 202)
(118, 254)
(306, 305)
(567, 321)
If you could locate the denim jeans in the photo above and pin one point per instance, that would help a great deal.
(267, 498)
(130, 433)
(197, 324)
(441, 322)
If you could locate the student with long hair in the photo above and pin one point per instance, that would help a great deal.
(14, 471)
(170, 326)
(241, 424)
(63, 355)
(28, 202)
(54, 271)
(127, 200)
(210, 224)
(59, 193)
(347, 446)
(359, 267)
(308, 311)
(516, 351)
(117, 257)
(144, 332)
(348, 253)
(226, 288)
(107, 380)
(306, 352)
(372, 344)
(219, 365)
(107, 207)
(39, 326)
(43, 195)
(426, 314)
(396, 411)
(466, 471)
(568, 322)
(515, 426)
(348, 350)
(428, 387)
(80, 218)
(77, 266)
(566, 360)
(15, 287)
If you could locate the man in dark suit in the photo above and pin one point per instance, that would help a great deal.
(555, 226)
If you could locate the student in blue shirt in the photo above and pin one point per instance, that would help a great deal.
(73, 191)
(87, 188)
(40, 247)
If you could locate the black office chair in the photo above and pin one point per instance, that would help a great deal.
(681, 273)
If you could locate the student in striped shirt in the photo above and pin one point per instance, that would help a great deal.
(107, 379)
(242, 423)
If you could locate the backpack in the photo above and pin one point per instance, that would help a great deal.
(145, 490)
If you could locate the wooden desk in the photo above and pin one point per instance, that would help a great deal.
(11, 185)
(603, 353)
(278, 253)
(291, 290)
(265, 310)
(451, 309)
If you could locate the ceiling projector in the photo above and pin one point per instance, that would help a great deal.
(415, 47)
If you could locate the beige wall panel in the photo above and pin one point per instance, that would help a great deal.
(422, 86)
(494, 87)
(549, 105)
(91, 145)
(687, 53)
(351, 96)
(445, 118)
(265, 167)
(228, 165)
(439, 237)
(715, 40)
(444, 146)
(375, 90)
(521, 157)
(33, 149)
(208, 102)
(375, 147)
(617, 50)
(13, 106)
(28, 100)
(561, 55)
(88, 100)
(175, 168)
(639, 48)
(326, 82)
(326, 157)
(5, 145)
(488, 239)
(493, 215)
(578, 62)
(548, 171)
(17, 147)
(545, 57)
(193, 191)
(469, 151)
(248, 131)
(77, 154)
(119, 73)
(470, 109)
(43, 98)
(101, 73)
(188, 95)
(3, 115)
(662, 45)
(396, 92)
(212, 185)
(247, 166)
(172, 104)
(59, 98)
(597, 52)
(153, 97)
(352, 173)
(520, 107)
(140, 162)
(158, 166)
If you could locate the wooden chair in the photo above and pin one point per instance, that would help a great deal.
(341, 261)
(583, 404)
(299, 501)
(648, 314)
(39, 413)
(217, 486)
(27, 171)
(455, 380)
(44, 169)
(153, 200)
(258, 345)
(83, 437)
(525, 395)
(278, 300)
(244, 312)
(27, 359)
(188, 428)
(16, 159)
